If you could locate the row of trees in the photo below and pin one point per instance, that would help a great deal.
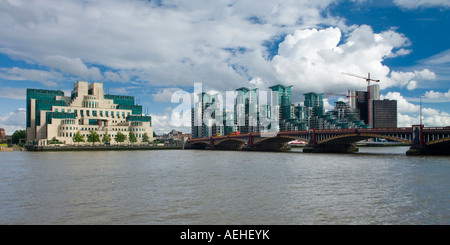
(93, 137)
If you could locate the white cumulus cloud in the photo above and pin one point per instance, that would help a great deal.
(409, 113)
(47, 78)
(13, 121)
(409, 79)
(163, 123)
(437, 96)
(314, 60)
(73, 66)
(164, 95)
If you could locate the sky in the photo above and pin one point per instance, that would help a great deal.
(150, 49)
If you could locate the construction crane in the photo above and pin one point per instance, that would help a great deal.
(368, 80)
(345, 95)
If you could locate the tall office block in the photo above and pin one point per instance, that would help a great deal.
(207, 116)
(384, 114)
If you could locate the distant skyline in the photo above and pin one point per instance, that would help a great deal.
(149, 49)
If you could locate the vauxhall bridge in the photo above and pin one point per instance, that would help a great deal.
(423, 140)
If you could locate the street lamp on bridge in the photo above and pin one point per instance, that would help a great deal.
(420, 119)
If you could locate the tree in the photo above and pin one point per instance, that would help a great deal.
(77, 138)
(93, 137)
(106, 138)
(132, 137)
(145, 137)
(120, 137)
(18, 135)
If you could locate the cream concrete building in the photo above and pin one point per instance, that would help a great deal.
(51, 116)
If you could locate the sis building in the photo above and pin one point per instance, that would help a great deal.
(53, 116)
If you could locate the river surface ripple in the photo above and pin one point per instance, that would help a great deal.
(379, 185)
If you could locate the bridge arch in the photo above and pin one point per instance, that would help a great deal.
(277, 139)
(439, 141)
(355, 137)
(230, 140)
(199, 144)
(230, 144)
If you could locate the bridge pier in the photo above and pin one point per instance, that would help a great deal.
(420, 147)
(437, 150)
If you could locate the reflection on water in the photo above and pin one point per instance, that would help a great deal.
(378, 185)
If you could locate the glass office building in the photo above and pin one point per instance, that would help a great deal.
(52, 116)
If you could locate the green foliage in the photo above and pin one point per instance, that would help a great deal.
(145, 137)
(120, 137)
(93, 137)
(132, 137)
(106, 137)
(18, 135)
(77, 138)
(55, 141)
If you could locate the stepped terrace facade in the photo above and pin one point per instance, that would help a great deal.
(51, 116)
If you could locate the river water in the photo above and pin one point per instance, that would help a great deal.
(379, 185)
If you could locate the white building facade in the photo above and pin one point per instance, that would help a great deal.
(51, 116)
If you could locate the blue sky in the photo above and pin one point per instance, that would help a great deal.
(149, 49)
